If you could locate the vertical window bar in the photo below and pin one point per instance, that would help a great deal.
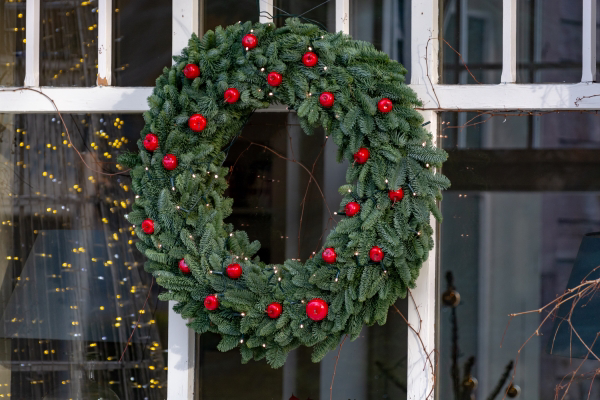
(509, 41)
(342, 16)
(266, 9)
(104, 42)
(32, 43)
(422, 303)
(588, 73)
(424, 39)
(181, 358)
(182, 340)
(185, 22)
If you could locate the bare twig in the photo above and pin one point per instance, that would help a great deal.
(337, 358)
(66, 130)
(294, 161)
(138, 321)
(428, 355)
(587, 288)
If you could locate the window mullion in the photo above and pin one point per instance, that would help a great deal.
(32, 43)
(422, 311)
(589, 41)
(182, 352)
(104, 42)
(342, 16)
(509, 41)
(266, 11)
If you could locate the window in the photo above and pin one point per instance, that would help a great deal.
(102, 48)
(514, 220)
(72, 285)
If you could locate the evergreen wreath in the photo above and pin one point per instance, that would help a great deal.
(373, 255)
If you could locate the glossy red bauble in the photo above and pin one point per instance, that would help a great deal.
(396, 195)
(274, 310)
(310, 59)
(148, 226)
(274, 78)
(385, 105)
(170, 162)
(376, 254)
(183, 267)
(329, 255)
(326, 99)
(249, 41)
(234, 271)
(362, 155)
(191, 71)
(211, 302)
(197, 122)
(151, 142)
(352, 209)
(232, 95)
(316, 309)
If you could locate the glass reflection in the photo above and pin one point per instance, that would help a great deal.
(142, 41)
(69, 43)
(275, 202)
(513, 222)
(12, 45)
(72, 287)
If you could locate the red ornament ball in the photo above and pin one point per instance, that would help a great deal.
(170, 162)
(249, 41)
(396, 195)
(385, 105)
(326, 99)
(376, 254)
(329, 255)
(274, 310)
(352, 209)
(197, 122)
(234, 271)
(310, 59)
(183, 267)
(274, 78)
(362, 155)
(316, 309)
(148, 226)
(211, 302)
(151, 142)
(232, 95)
(191, 71)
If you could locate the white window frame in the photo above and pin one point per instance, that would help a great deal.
(436, 97)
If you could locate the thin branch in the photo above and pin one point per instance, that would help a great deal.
(337, 358)
(66, 130)
(138, 321)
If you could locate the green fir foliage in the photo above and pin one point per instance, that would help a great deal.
(189, 209)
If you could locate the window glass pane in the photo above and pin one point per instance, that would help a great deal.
(72, 286)
(275, 202)
(520, 130)
(473, 29)
(316, 10)
(12, 45)
(141, 41)
(69, 43)
(386, 24)
(229, 12)
(513, 222)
